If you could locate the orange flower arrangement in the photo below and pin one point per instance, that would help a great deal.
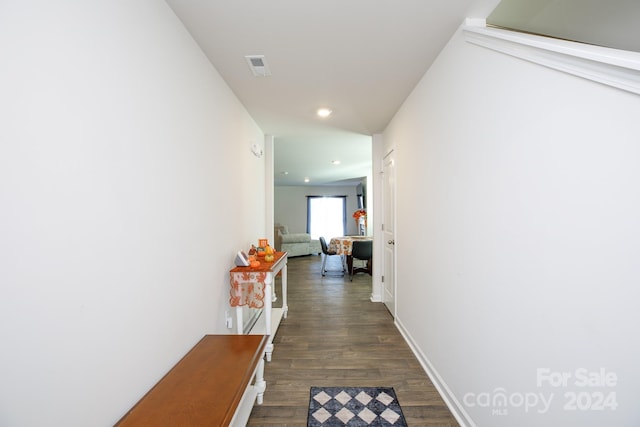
(360, 213)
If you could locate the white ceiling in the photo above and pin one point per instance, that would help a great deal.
(360, 58)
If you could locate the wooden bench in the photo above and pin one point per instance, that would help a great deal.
(210, 386)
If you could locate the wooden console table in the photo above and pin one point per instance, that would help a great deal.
(210, 386)
(253, 287)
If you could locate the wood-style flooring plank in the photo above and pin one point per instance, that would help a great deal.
(335, 336)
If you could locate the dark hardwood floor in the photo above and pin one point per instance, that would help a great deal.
(335, 336)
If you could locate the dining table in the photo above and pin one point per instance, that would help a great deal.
(343, 245)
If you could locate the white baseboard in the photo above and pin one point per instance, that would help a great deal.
(450, 400)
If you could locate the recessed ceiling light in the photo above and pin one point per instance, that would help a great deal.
(306, 180)
(324, 112)
(335, 162)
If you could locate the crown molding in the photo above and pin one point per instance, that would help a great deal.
(612, 67)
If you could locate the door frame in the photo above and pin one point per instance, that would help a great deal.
(374, 203)
(394, 306)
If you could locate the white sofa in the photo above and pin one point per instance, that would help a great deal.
(295, 244)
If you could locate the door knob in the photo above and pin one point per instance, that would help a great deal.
(391, 242)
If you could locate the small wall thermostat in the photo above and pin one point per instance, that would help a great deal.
(256, 149)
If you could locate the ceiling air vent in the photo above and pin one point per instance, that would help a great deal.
(258, 65)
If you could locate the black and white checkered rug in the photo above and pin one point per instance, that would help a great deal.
(354, 406)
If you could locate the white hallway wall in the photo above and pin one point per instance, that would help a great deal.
(517, 234)
(118, 219)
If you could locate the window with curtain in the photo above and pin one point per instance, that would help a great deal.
(326, 216)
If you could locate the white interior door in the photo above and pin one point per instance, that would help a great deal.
(388, 232)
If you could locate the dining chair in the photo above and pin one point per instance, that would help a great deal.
(361, 250)
(325, 254)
